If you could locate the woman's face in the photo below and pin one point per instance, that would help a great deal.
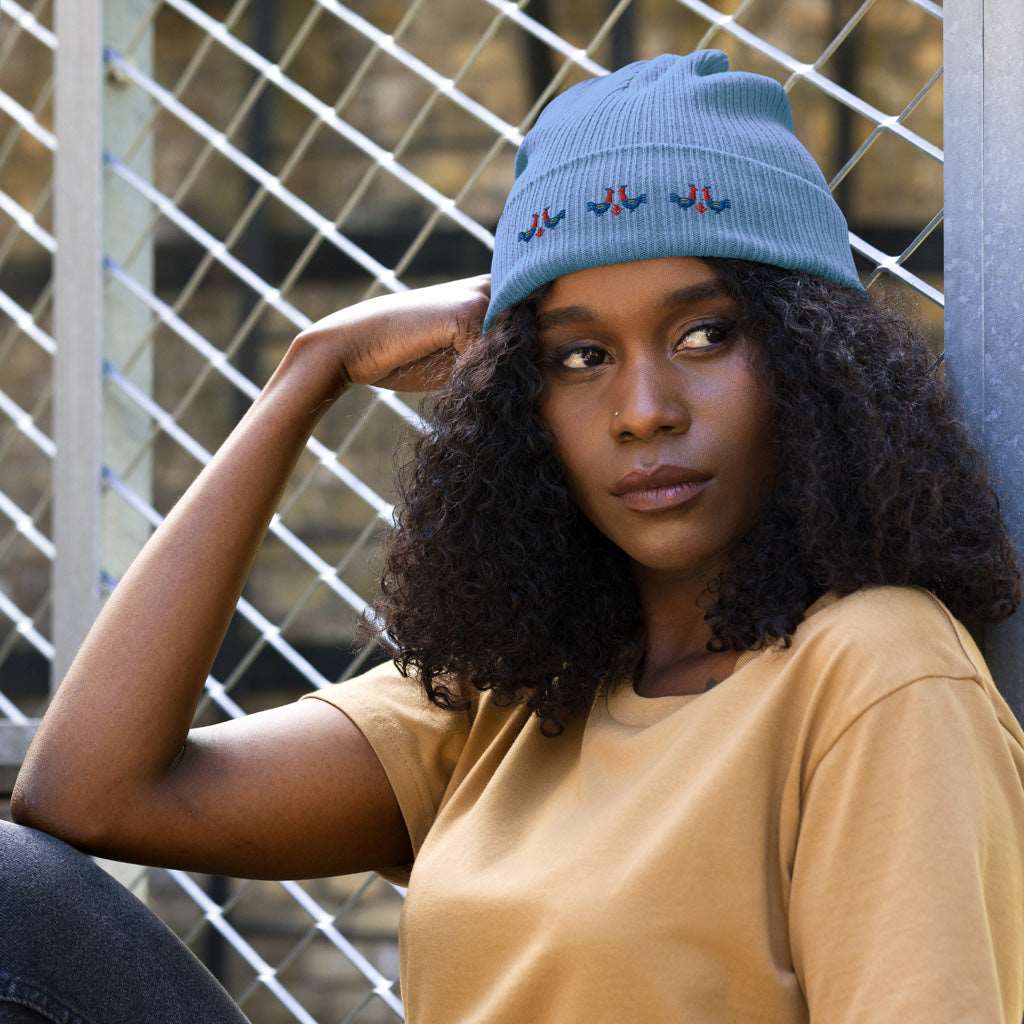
(644, 368)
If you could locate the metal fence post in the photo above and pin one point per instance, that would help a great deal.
(95, 320)
(984, 279)
(78, 321)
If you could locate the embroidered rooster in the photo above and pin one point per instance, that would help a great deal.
(715, 205)
(615, 207)
(549, 222)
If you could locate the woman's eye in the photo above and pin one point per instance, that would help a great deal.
(714, 334)
(580, 358)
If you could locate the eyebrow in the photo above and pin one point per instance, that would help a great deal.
(689, 294)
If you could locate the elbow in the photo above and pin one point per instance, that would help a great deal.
(22, 805)
(42, 815)
(25, 811)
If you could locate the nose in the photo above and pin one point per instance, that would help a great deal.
(649, 399)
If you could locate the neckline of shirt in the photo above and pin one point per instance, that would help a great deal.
(627, 707)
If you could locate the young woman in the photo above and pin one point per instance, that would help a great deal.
(685, 720)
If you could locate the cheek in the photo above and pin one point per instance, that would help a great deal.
(743, 416)
(754, 439)
(570, 436)
(559, 420)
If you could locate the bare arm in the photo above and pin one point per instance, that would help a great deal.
(292, 792)
(122, 712)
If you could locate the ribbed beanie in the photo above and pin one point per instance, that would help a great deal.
(675, 156)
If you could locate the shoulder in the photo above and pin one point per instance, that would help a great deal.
(399, 698)
(852, 651)
(902, 678)
(888, 633)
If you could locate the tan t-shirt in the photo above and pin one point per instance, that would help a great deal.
(834, 833)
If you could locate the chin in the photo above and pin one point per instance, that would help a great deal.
(677, 559)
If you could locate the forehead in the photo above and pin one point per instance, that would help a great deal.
(620, 290)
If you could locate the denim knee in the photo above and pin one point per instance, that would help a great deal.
(35, 864)
(37, 872)
(82, 947)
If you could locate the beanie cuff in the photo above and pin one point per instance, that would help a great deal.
(676, 200)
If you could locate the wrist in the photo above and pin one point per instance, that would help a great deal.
(310, 372)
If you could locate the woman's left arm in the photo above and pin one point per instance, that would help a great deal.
(907, 900)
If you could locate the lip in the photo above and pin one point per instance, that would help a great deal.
(660, 476)
(649, 499)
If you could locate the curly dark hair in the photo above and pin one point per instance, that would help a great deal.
(495, 579)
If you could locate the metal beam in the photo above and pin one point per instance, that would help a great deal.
(984, 267)
(93, 530)
(78, 319)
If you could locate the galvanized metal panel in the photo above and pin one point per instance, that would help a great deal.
(984, 211)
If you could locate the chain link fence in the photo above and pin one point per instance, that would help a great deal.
(265, 162)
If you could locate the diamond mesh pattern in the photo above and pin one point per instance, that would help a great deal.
(308, 154)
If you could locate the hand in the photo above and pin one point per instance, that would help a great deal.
(405, 341)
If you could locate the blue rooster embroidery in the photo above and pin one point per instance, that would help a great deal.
(715, 205)
(535, 227)
(624, 202)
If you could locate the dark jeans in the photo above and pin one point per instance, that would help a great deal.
(77, 947)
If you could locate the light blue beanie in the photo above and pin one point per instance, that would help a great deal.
(675, 156)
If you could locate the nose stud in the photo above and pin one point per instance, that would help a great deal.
(615, 414)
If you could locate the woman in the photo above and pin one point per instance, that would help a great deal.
(684, 721)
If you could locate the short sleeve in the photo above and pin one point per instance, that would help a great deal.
(907, 898)
(417, 742)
